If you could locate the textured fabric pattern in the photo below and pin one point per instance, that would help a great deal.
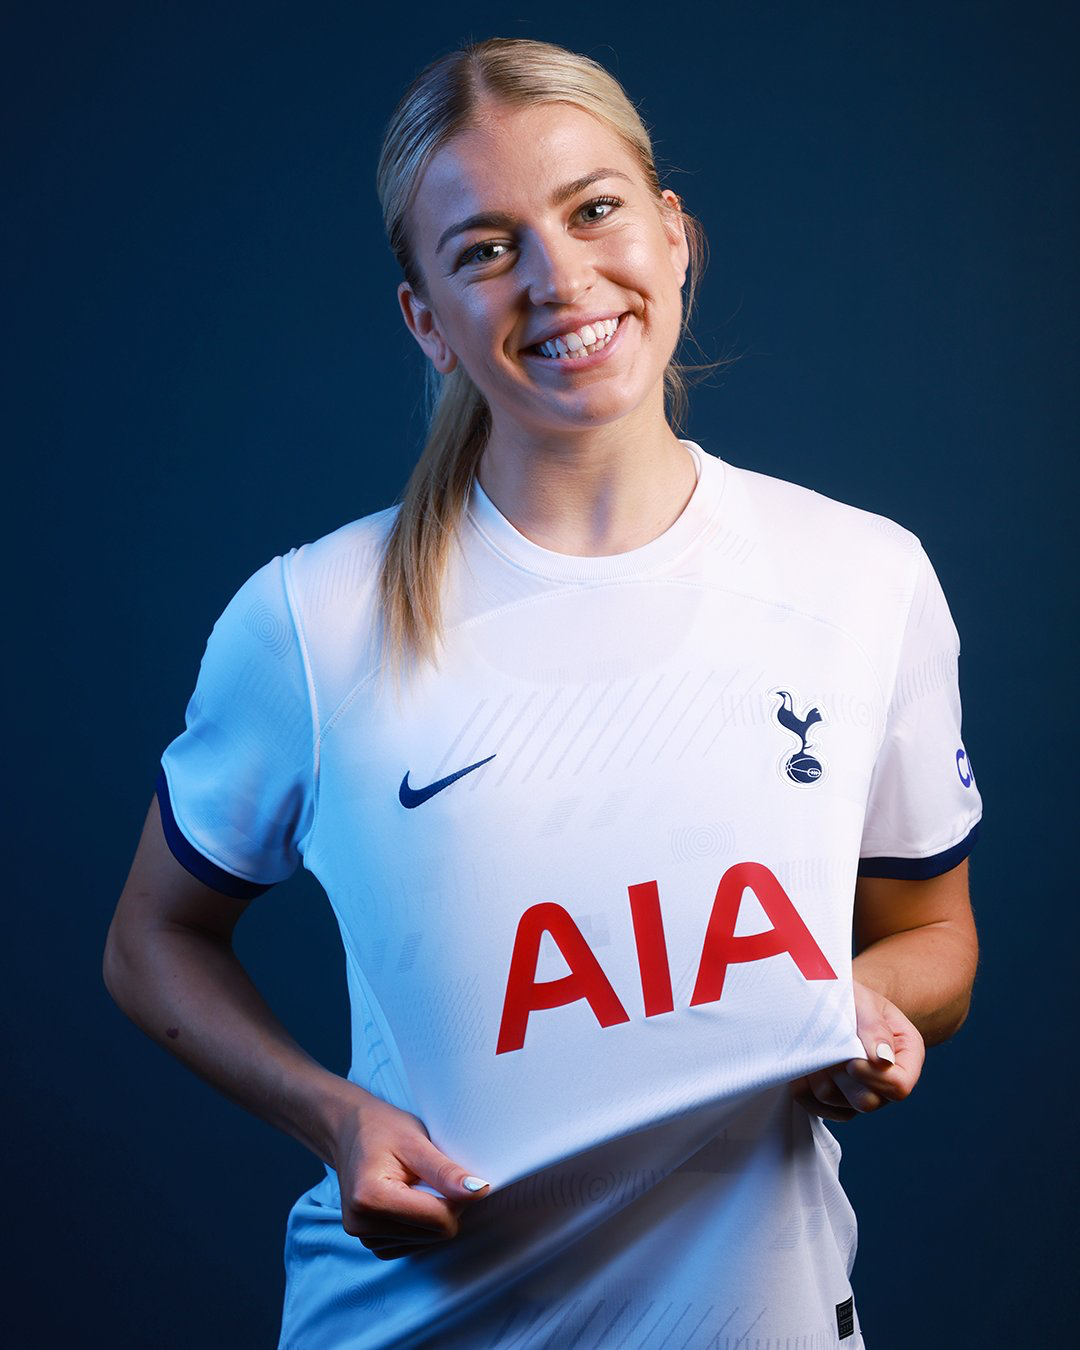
(594, 878)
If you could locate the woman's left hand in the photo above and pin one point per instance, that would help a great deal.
(860, 1085)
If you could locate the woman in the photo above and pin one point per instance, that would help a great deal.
(662, 735)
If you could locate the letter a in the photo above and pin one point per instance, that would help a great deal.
(526, 994)
(788, 933)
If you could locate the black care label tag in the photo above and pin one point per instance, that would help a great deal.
(845, 1318)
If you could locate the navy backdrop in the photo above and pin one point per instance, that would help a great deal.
(206, 366)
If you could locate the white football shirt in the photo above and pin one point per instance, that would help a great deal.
(594, 878)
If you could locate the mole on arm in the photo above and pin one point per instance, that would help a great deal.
(172, 1032)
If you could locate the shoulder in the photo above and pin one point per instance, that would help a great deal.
(344, 562)
(821, 551)
(345, 557)
(850, 569)
(822, 525)
(330, 586)
(314, 601)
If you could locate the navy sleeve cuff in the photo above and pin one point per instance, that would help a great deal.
(189, 857)
(920, 869)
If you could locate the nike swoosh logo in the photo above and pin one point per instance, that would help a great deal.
(410, 796)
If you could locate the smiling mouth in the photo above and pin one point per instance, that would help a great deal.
(557, 349)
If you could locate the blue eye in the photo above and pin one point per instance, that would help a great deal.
(604, 201)
(472, 254)
(479, 248)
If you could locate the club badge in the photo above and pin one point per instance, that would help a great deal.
(801, 767)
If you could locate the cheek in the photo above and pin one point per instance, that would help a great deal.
(631, 254)
(646, 266)
(466, 326)
(467, 317)
(477, 319)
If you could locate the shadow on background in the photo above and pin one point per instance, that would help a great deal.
(208, 366)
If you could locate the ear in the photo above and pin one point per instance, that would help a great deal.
(424, 326)
(675, 227)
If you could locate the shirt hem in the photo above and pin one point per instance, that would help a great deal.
(920, 869)
(189, 857)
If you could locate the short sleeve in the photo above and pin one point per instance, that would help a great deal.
(236, 786)
(924, 808)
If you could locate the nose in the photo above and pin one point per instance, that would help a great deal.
(557, 269)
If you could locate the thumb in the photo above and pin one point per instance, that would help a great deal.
(446, 1177)
(878, 1044)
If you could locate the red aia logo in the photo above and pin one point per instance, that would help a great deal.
(525, 994)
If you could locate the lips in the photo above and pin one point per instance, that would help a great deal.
(560, 366)
(574, 328)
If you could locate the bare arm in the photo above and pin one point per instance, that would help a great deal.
(917, 947)
(917, 952)
(170, 966)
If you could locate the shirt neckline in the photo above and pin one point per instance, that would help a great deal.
(507, 540)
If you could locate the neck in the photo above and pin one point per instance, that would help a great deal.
(596, 492)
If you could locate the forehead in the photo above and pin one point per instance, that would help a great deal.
(514, 160)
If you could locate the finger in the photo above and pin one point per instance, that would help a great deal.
(910, 1058)
(822, 1084)
(391, 1205)
(449, 1178)
(878, 1039)
(384, 1228)
(860, 1096)
(392, 1251)
(882, 1078)
(803, 1094)
(828, 1113)
(378, 1241)
(892, 1081)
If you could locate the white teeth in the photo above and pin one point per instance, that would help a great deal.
(588, 339)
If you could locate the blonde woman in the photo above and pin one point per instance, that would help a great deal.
(605, 752)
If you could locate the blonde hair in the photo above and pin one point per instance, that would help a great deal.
(446, 98)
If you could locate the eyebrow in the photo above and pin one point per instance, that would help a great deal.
(500, 220)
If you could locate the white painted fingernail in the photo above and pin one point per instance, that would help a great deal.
(885, 1051)
(474, 1184)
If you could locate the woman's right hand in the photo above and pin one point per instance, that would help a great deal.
(170, 966)
(380, 1152)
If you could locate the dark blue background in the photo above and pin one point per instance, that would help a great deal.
(207, 366)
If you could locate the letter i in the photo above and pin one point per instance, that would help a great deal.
(651, 948)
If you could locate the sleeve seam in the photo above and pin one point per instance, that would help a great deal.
(313, 702)
(168, 813)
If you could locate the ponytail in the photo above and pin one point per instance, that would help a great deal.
(444, 99)
(432, 504)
